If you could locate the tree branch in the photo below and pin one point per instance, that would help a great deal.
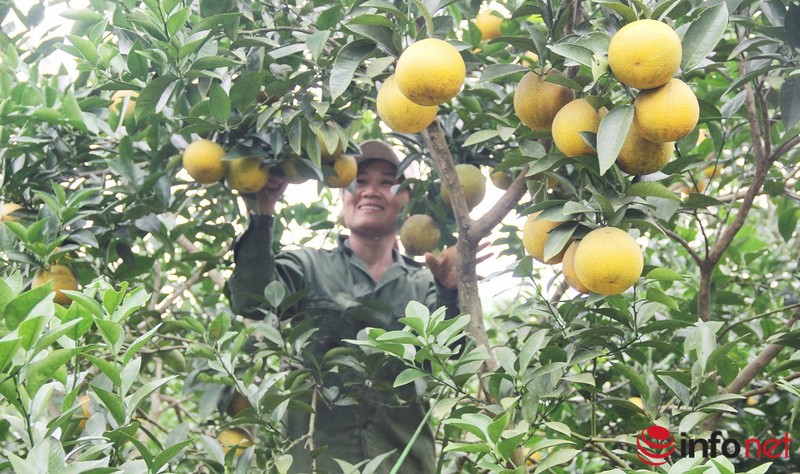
(755, 367)
(683, 243)
(484, 225)
(468, 298)
(213, 273)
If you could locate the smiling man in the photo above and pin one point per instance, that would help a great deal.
(364, 282)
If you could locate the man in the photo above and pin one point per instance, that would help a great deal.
(364, 282)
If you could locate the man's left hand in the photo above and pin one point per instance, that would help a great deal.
(443, 266)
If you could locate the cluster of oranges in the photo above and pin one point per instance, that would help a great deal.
(643, 55)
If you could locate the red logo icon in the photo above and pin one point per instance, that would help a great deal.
(654, 445)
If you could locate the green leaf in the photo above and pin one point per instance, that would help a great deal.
(658, 296)
(703, 35)
(143, 392)
(110, 330)
(663, 274)
(219, 103)
(177, 20)
(701, 201)
(87, 49)
(316, 43)
(8, 348)
(274, 293)
(347, 61)
(558, 239)
(623, 10)
(213, 62)
(651, 189)
(82, 14)
(154, 96)
(679, 389)
(480, 136)
(559, 427)
(407, 376)
(493, 72)
(611, 135)
(532, 346)
(30, 329)
(41, 371)
(562, 456)
(109, 369)
(380, 34)
(790, 102)
(787, 221)
(167, 454)
(219, 326)
(634, 378)
(577, 53)
(245, 90)
(21, 307)
(112, 403)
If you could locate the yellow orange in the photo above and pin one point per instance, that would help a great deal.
(488, 22)
(117, 99)
(473, 184)
(8, 209)
(430, 72)
(235, 437)
(535, 233)
(536, 101)
(608, 261)
(246, 175)
(399, 113)
(420, 234)
(645, 54)
(202, 159)
(667, 113)
(568, 267)
(577, 116)
(62, 278)
(639, 156)
(343, 172)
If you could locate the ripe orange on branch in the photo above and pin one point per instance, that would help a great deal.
(420, 234)
(399, 113)
(62, 278)
(568, 267)
(473, 184)
(237, 438)
(639, 156)
(489, 24)
(202, 159)
(430, 72)
(608, 261)
(645, 54)
(577, 116)
(117, 100)
(535, 233)
(536, 101)
(6, 214)
(342, 173)
(246, 175)
(667, 113)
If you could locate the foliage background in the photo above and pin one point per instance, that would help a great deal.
(150, 336)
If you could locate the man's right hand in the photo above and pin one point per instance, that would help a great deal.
(270, 195)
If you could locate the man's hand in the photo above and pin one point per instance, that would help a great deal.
(443, 266)
(270, 195)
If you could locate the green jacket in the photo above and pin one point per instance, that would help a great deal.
(341, 300)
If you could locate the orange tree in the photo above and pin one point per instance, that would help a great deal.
(142, 365)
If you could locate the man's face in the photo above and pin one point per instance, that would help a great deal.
(372, 211)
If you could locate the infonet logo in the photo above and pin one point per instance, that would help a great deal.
(655, 444)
